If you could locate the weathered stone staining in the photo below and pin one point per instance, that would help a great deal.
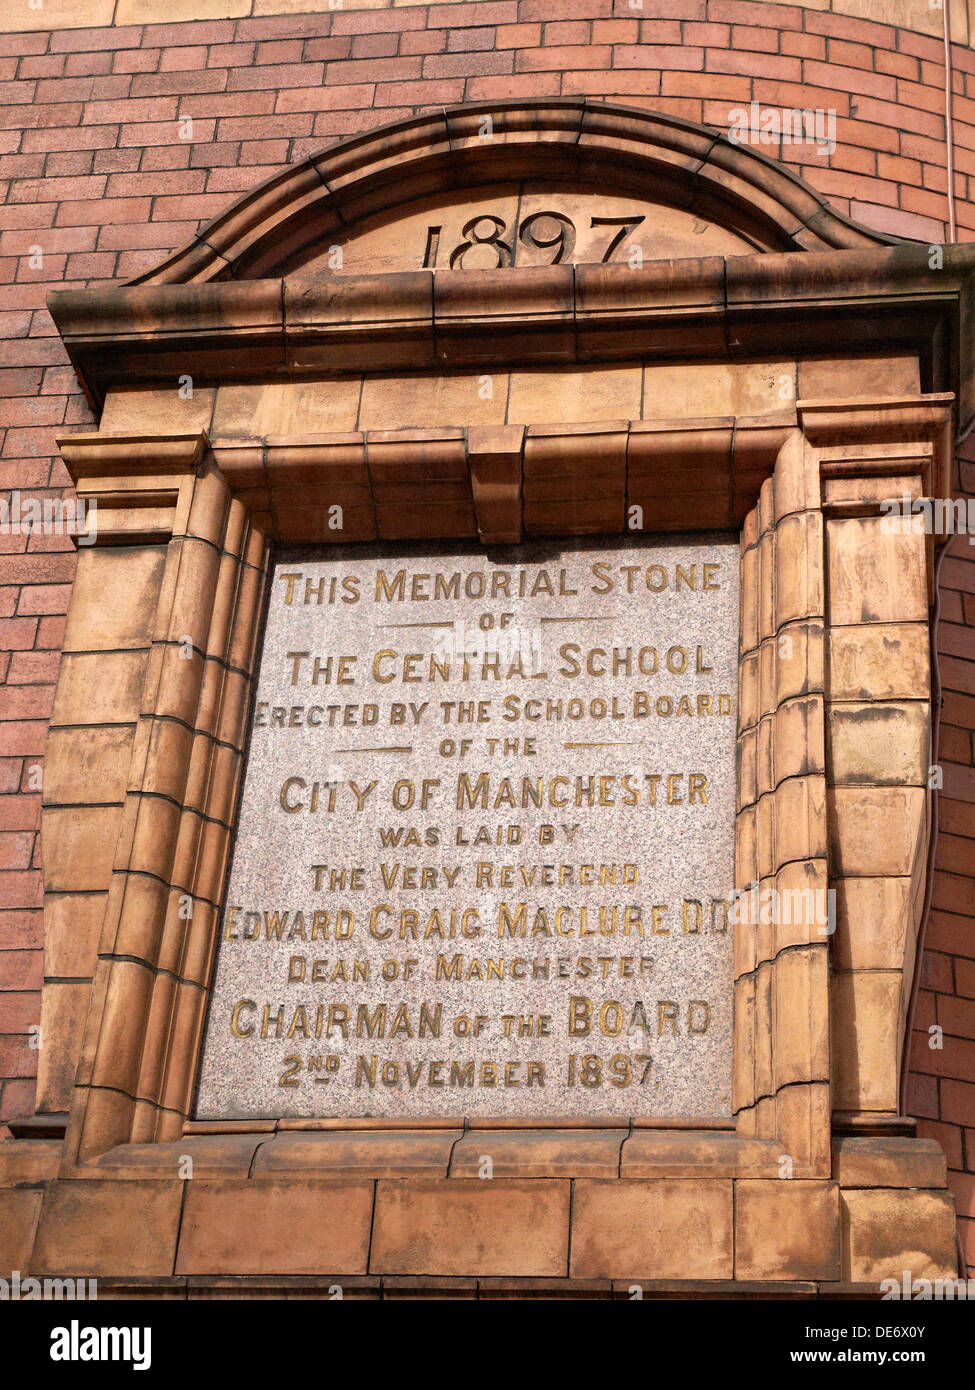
(484, 861)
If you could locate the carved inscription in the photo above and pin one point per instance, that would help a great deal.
(551, 234)
(484, 860)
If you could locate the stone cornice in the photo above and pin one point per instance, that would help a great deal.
(466, 320)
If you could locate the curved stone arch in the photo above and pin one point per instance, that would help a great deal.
(678, 163)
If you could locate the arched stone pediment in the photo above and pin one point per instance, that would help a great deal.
(551, 181)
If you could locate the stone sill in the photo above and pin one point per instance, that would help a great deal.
(434, 1149)
(589, 1151)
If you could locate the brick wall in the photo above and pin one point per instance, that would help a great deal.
(93, 172)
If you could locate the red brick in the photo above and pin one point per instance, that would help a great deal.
(27, 569)
(76, 40)
(838, 181)
(167, 236)
(22, 888)
(561, 59)
(33, 410)
(922, 1100)
(339, 46)
(957, 1016)
(43, 65)
(19, 381)
(897, 222)
(253, 127)
(665, 57)
(16, 849)
(441, 92)
(936, 972)
(289, 26)
(104, 210)
(713, 85)
(18, 1099)
(61, 163)
(377, 70)
(22, 970)
(525, 85)
(896, 167)
(132, 263)
(13, 93)
(21, 812)
(136, 60)
(50, 633)
(152, 84)
(760, 14)
(72, 138)
(235, 180)
(956, 640)
(889, 113)
(331, 124)
(43, 598)
(16, 1058)
(85, 89)
(951, 605)
(948, 1136)
(59, 190)
(228, 104)
(957, 570)
(177, 181)
(280, 51)
(955, 1058)
(505, 12)
(30, 667)
(183, 58)
(745, 36)
(264, 152)
(957, 1101)
(130, 109)
(322, 99)
(17, 634)
(965, 978)
(58, 113)
(921, 45)
(271, 78)
(954, 893)
(166, 156)
(116, 161)
(198, 32)
(925, 1013)
(383, 21)
(955, 852)
(608, 31)
(214, 155)
(382, 45)
(234, 55)
(93, 64)
(569, 32)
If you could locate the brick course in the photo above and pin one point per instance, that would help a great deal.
(94, 172)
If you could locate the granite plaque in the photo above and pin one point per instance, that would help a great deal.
(484, 856)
